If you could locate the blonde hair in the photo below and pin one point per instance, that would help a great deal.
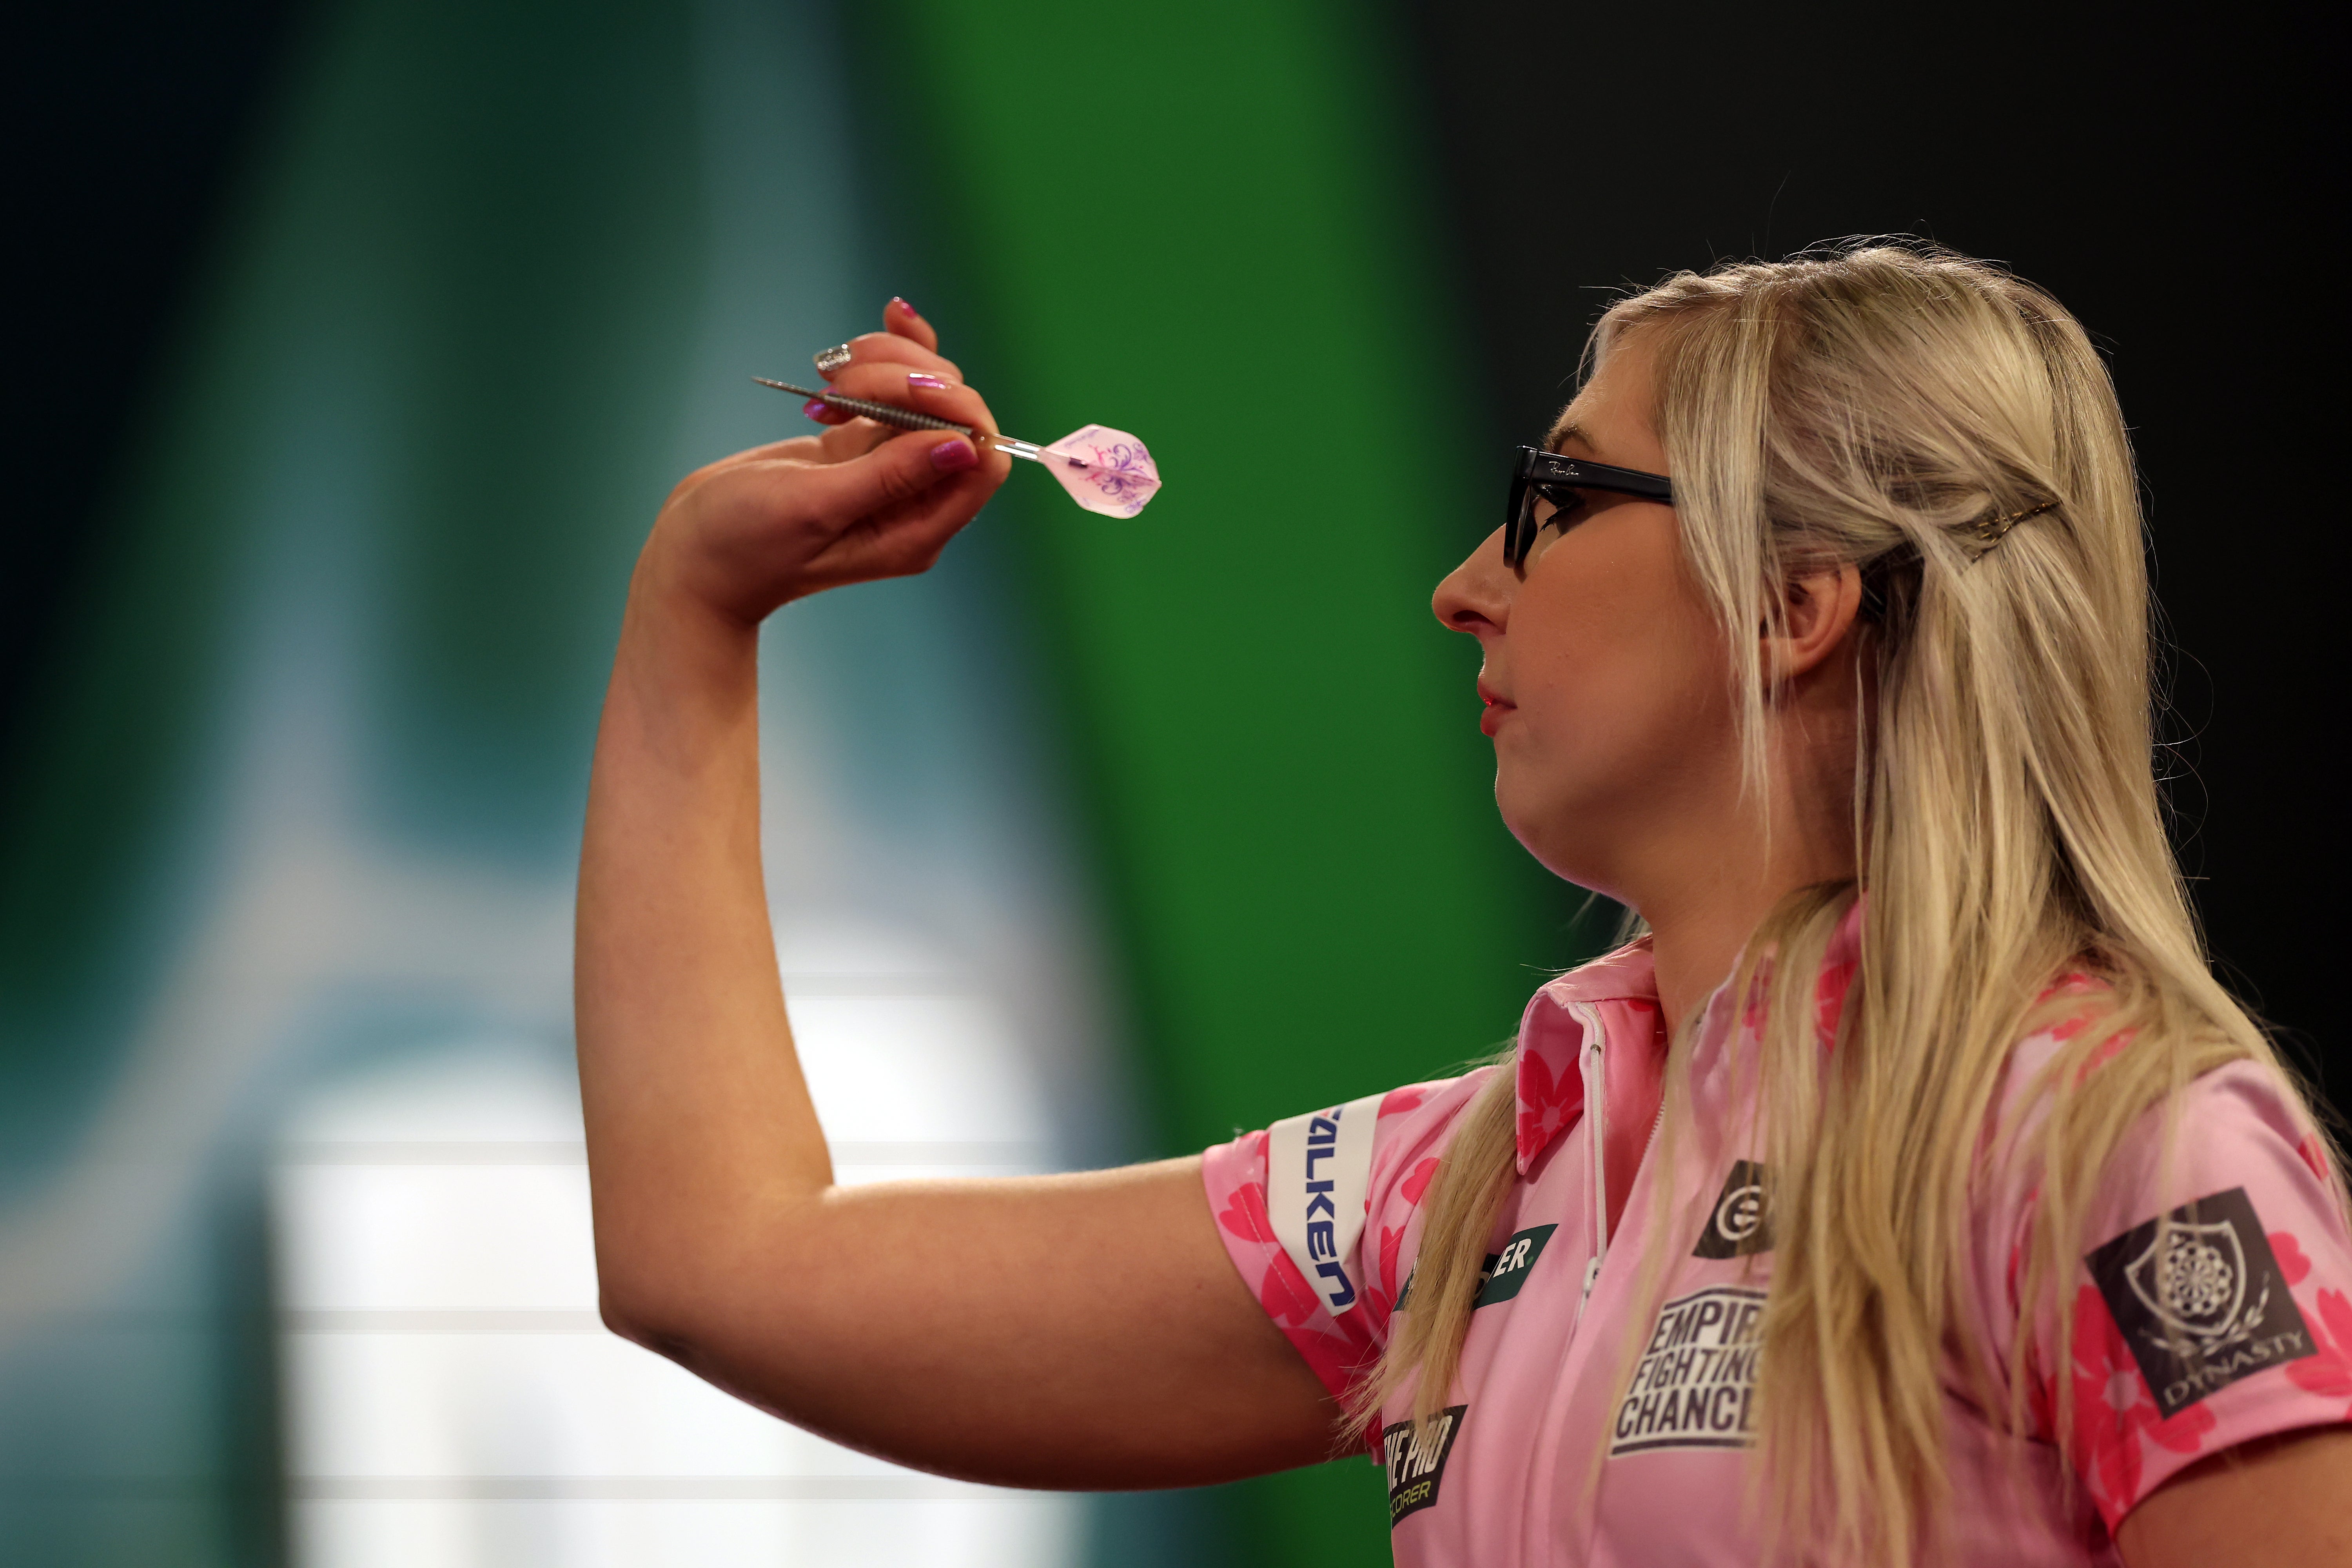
(1880, 405)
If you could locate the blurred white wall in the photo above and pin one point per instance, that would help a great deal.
(452, 1398)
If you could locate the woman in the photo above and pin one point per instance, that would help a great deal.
(1908, 1192)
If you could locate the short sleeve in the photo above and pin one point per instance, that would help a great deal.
(1342, 1346)
(2216, 1306)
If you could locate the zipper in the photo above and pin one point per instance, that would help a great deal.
(1595, 1066)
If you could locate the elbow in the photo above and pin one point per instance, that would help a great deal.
(688, 1293)
(622, 1315)
(642, 1312)
(630, 1315)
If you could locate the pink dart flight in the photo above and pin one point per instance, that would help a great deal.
(1105, 470)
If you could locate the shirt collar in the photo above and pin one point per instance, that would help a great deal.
(1552, 1036)
(1619, 993)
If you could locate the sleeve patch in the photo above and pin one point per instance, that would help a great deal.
(2198, 1296)
(1318, 1176)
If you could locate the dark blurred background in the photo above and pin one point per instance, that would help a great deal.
(1426, 205)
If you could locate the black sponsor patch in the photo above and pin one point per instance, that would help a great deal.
(1694, 1387)
(1416, 1460)
(1737, 1225)
(2200, 1300)
(1500, 1277)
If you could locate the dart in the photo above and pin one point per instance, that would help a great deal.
(1105, 470)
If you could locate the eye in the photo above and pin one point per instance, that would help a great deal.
(1569, 508)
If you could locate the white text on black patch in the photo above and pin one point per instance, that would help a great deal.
(2198, 1296)
(1737, 1225)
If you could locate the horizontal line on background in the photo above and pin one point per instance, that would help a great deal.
(637, 1488)
(112, 1489)
(882, 986)
(438, 1152)
(967, 1152)
(487, 1322)
(572, 1152)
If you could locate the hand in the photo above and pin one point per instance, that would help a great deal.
(858, 503)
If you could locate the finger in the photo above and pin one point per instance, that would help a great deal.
(888, 479)
(848, 435)
(902, 319)
(798, 448)
(804, 447)
(900, 542)
(920, 391)
(845, 434)
(889, 348)
(904, 535)
(854, 439)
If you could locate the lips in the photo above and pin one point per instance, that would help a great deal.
(1497, 709)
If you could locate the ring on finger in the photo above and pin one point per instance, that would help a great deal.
(829, 361)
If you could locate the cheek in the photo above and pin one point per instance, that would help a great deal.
(1617, 674)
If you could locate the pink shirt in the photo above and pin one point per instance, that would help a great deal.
(2259, 1279)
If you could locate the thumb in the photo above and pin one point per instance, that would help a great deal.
(890, 475)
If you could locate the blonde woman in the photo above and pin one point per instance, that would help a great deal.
(1908, 1192)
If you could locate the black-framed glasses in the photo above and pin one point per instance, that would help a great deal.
(1548, 476)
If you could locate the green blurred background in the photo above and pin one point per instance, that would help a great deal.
(358, 342)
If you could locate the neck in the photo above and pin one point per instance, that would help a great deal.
(1722, 872)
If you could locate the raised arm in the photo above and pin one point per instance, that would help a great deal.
(1081, 1330)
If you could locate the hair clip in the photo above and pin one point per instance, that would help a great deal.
(1993, 530)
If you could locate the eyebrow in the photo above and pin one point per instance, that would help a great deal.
(1569, 430)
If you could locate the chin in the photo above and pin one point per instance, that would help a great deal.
(1572, 857)
(1549, 847)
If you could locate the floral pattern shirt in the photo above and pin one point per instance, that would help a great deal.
(1603, 1411)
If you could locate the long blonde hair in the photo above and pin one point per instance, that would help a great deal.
(1881, 405)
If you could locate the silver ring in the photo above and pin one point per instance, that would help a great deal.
(831, 360)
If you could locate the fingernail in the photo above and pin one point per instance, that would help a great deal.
(816, 408)
(953, 457)
(928, 382)
(830, 361)
(900, 301)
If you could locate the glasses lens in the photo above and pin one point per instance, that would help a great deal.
(1518, 530)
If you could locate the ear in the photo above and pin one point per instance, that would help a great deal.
(1817, 611)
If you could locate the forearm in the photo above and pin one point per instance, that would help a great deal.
(1003, 1330)
(699, 1124)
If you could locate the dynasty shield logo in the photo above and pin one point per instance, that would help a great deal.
(1737, 1225)
(1416, 1460)
(2198, 1296)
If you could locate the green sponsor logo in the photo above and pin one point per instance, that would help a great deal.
(1507, 1271)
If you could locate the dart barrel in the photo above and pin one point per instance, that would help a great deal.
(884, 413)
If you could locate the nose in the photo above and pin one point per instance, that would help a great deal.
(1476, 595)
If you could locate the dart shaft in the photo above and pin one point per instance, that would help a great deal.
(907, 420)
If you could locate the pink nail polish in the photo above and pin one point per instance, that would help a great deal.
(900, 301)
(815, 408)
(953, 457)
(928, 382)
